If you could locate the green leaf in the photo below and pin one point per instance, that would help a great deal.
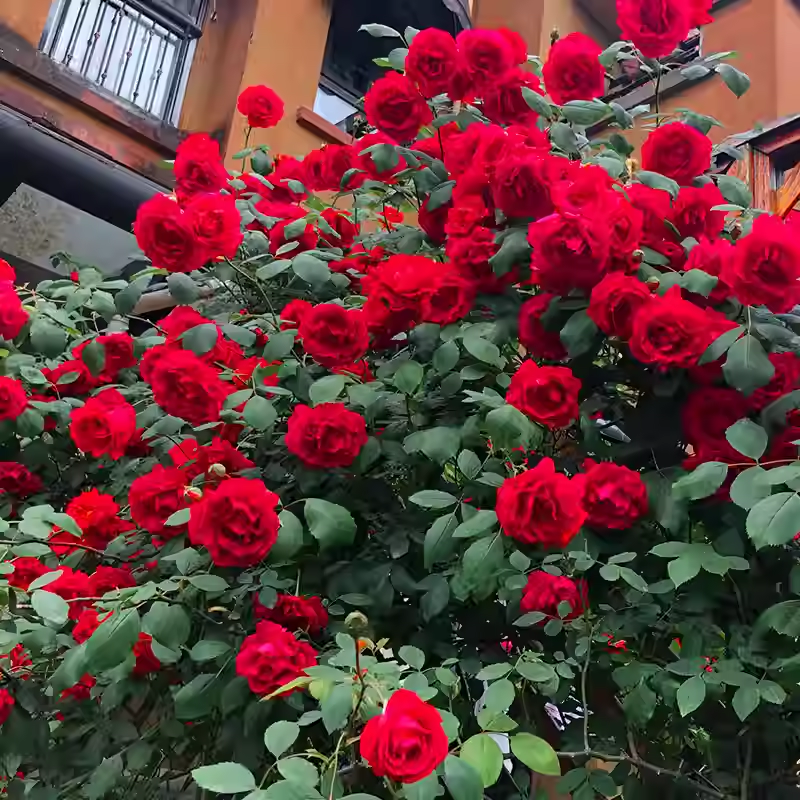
(579, 334)
(572, 780)
(30, 423)
(747, 366)
(94, 356)
(585, 112)
(771, 692)
(603, 783)
(259, 413)
(330, 524)
(683, 569)
(483, 350)
(298, 770)
(499, 696)
(509, 428)
(290, 537)
(326, 389)
(750, 487)
(47, 338)
(440, 195)
(183, 288)
(563, 137)
(774, 520)
(168, 624)
(279, 345)
(462, 780)
(736, 80)
(280, 736)
(747, 438)
(426, 789)
(179, 517)
(224, 778)
(536, 102)
(720, 345)
(408, 377)
(484, 520)
(201, 339)
(413, 656)
(446, 357)
(783, 618)
(691, 694)
(373, 29)
(535, 671)
(745, 701)
(439, 544)
(50, 607)
(702, 482)
(438, 444)
(209, 583)
(493, 671)
(469, 464)
(336, 707)
(535, 753)
(656, 181)
(699, 282)
(433, 498)
(127, 299)
(286, 790)
(208, 649)
(735, 190)
(483, 753)
(311, 269)
(113, 641)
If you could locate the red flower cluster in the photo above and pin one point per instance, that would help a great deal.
(326, 436)
(96, 515)
(294, 613)
(657, 27)
(155, 497)
(548, 395)
(18, 481)
(104, 425)
(544, 592)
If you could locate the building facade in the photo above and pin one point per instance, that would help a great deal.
(96, 94)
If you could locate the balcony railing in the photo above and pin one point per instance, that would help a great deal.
(138, 50)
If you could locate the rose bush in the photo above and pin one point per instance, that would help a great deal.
(440, 508)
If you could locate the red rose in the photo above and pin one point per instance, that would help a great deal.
(342, 223)
(117, 355)
(503, 101)
(155, 497)
(80, 691)
(625, 223)
(243, 375)
(12, 315)
(678, 151)
(218, 452)
(293, 313)
(708, 413)
(366, 162)
(165, 235)
(107, 579)
(236, 522)
(198, 167)
(104, 425)
(518, 45)
(656, 27)
(407, 741)
(471, 254)
(431, 58)
(7, 272)
(584, 190)
(614, 496)
(393, 290)
(7, 702)
(146, 661)
(548, 395)
(394, 106)
(306, 239)
(463, 218)
(487, 55)
(713, 257)
(13, 400)
(699, 12)
(71, 378)
(670, 331)
(654, 206)
(325, 167)
(538, 341)
(766, 265)
(334, 336)
(615, 301)
(521, 186)
(271, 657)
(216, 223)
(294, 613)
(449, 294)
(360, 370)
(692, 214)
(262, 107)
(573, 70)
(569, 252)
(544, 592)
(96, 516)
(18, 481)
(70, 585)
(326, 436)
(786, 379)
(87, 623)
(184, 386)
(541, 506)
(26, 571)
(433, 221)
(287, 169)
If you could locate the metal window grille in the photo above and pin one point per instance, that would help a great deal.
(139, 50)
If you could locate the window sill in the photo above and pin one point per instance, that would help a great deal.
(311, 121)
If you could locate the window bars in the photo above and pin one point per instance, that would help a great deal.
(138, 50)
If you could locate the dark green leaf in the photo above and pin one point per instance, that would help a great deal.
(326, 389)
(259, 413)
(201, 339)
(774, 520)
(433, 498)
(439, 444)
(183, 288)
(535, 753)
(224, 778)
(691, 694)
(736, 80)
(484, 754)
(113, 641)
(747, 438)
(745, 701)
(50, 607)
(462, 779)
(330, 524)
(280, 736)
(656, 181)
(702, 482)
(578, 334)
(747, 366)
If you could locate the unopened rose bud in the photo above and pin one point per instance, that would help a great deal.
(653, 282)
(637, 256)
(736, 230)
(193, 493)
(218, 470)
(356, 623)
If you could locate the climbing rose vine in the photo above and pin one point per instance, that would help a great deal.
(465, 463)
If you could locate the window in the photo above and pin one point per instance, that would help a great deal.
(139, 50)
(348, 69)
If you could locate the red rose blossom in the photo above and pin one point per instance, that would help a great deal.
(573, 70)
(333, 335)
(96, 515)
(261, 105)
(236, 522)
(155, 496)
(785, 379)
(432, 55)
(656, 27)
(272, 657)
(394, 106)
(487, 55)
(26, 570)
(18, 481)
(504, 102)
(216, 223)
(522, 184)
(198, 167)
(541, 506)
(614, 303)
(164, 233)
(106, 579)
(7, 273)
(294, 613)
(293, 313)
(326, 436)
(548, 395)
(713, 257)
(709, 412)
(13, 400)
(12, 315)
(104, 425)
(71, 378)
(7, 702)
(545, 592)
(677, 151)
(692, 214)
(146, 661)
(614, 496)
(533, 336)
(406, 742)
(325, 167)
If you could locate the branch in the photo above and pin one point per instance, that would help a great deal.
(748, 761)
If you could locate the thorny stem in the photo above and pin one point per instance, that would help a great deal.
(748, 761)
